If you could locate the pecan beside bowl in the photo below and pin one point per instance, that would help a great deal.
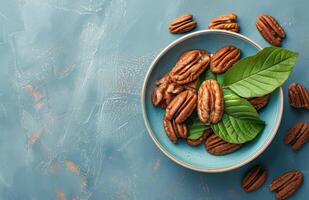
(182, 60)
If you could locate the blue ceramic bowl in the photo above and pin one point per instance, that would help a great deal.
(196, 158)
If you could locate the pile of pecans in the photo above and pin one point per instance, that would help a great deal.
(175, 92)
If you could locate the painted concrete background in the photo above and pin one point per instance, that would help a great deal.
(71, 73)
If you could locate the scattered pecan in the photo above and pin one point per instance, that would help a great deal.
(224, 58)
(189, 66)
(216, 146)
(210, 103)
(201, 139)
(298, 96)
(182, 24)
(259, 102)
(254, 178)
(297, 136)
(286, 184)
(165, 91)
(181, 106)
(270, 29)
(175, 130)
(225, 22)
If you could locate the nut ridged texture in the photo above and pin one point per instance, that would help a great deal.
(286, 184)
(174, 130)
(216, 146)
(259, 102)
(182, 24)
(189, 66)
(297, 136)
(201, 139)
(181, 106)
(298, 96)
(166, 90)
(225, 22)
(224, 58)
(270, 29)
(254, 179)
(210, 104)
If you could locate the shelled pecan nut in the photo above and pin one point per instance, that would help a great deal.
(165, 91)
(182, 24)
(189, 66)
(254, 178)
(286, 184)
(224, 58)
(210, 103)
(298, 96)
(181, 106)
(298, 135)
(225, 22)
(259, 102)
(270, 29)
(174, 130)
(201, 139)
(216, 146)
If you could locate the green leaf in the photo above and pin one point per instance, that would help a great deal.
(235, 130)
(260, 74)
(204, 76)
(195, 127)
(196, 130)
(240, 123)
(239, 107)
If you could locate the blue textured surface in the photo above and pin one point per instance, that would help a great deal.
(197, 157)
(71, 124)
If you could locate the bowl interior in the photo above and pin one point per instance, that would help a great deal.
(196, 157)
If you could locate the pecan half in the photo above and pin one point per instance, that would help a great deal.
(216, 146)
(174, 130)
(270, 29)
(225, 22)
(224, 58)
(165, 91)
(286, 184)
(210, 103)
(259, 102)
(201, 139)
(189, 66)
(181, 106)
(182, 24)
(254, 178)
(298, 96)
(297, 136)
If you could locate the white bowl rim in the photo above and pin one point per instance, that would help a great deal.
(150, 132)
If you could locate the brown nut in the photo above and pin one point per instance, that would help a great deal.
(210, 103)
(270, 29)
(216, 146)
(225, 22)
(254, 179)
(298, 96)
(189, 66)
(286, 184)
(224, 58)
(297, 136)
(165, 91)
(182, 24)
(181, 106)
(201, 139)
(174, 130)
(259, 102)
